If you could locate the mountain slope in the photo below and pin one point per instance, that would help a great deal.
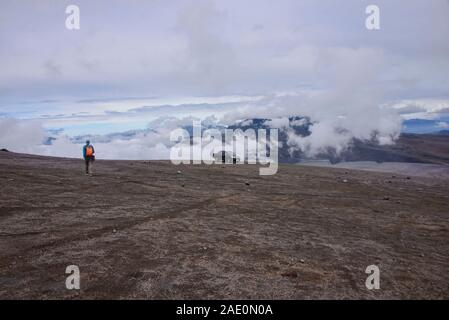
(140, 230)
(420, 148)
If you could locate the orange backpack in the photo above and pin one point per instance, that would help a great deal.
(89, 151)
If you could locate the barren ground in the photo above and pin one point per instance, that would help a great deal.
(140, 230)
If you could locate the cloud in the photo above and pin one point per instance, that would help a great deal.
(27, 136)
(300, 57)
(215, 47)
(21, 136)
(411, 109)
(278, 123)
(442, 125)
(209, 60)
(429, 108)
(350, 109)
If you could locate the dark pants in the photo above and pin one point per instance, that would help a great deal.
(88, 161)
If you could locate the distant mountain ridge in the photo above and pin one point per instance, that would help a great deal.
(413, 148)
(410, 147)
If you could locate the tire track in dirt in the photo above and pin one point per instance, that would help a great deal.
(97, 233)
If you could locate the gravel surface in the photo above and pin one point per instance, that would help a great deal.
(141, 230)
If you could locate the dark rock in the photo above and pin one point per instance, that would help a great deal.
(290, 274)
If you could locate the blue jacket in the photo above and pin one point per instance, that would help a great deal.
(84, 150)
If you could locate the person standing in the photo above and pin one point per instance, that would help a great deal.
(89, 156)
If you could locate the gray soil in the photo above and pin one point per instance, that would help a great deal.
(439, 171)
(140, 230)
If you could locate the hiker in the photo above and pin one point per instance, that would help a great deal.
(89, 156)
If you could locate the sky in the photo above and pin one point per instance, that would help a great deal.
(134, 64)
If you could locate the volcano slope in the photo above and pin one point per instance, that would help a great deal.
(141, 230)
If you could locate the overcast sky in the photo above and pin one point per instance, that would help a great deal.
(223, 58)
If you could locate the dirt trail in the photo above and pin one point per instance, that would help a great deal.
(138, 229)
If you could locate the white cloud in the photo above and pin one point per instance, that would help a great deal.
(421, 108)
(350, 108)
(26, 136)
(21, 136)
(336, 72)
(211, 47)
(442, 125)
(278, 123)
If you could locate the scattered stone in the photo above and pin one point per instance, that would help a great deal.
(344, 180)
(183, 185)
(346, 172)
(247, 183)
(302, 261)
(389, 181)
(408, 178)
(398, 202)
(179, 172)
(114, 230)
(393, 176)
(386, 198)
(421, 255)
